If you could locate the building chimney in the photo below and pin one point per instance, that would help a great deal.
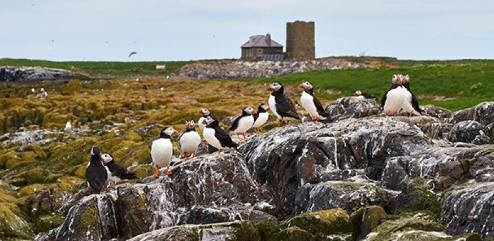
(268, 39)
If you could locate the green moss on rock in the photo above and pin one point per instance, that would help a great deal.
(11, 225)
(45, 223)
(268, 229)
(366, 219)
(327, 222)
(88, 218)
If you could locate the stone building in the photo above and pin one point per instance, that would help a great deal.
(262, 47)
(300, 41)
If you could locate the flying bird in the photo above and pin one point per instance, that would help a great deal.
(132, 53)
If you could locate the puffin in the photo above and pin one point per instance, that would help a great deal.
(190, 140)
(280, 104)
(243, 122)
(393, 99)
(216, 136)
(260, 117)
(411, 104)
(363, 96)
(96, 174)
(310, 103)
(204, 113)
(116, 173)
(162, 150)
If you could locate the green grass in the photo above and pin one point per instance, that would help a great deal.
(468, 81)
(104, 69)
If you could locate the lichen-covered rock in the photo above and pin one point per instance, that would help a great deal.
(349, 196)
(469, 208)
(12, 226)
(326, 222)
(287, 158)
(444, 166)
(394, 229)
(366, 219)
(21, 74)
(241, 231)
(352, 107)
(482, 113)
(417, 195)
(466, 131)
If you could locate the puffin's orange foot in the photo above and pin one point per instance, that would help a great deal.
(156, 174)
(257, 131)
(186, 157)
(169, 173)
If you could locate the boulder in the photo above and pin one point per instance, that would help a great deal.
(348, 107)
(22, 74)
(286, 158)
(444, 166)
(468, 131)
(469, 209)
(366, 219)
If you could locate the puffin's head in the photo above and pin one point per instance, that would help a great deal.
(306, 85)
(204, 111)
(208, 120)
(275, 86)
(168, 131)
(249, 110)
(95, 150)
(190, 124)
(357, 93)
(106, 158)
(263, 106)
(394, 79)
(406, 79)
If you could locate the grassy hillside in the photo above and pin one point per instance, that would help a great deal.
(104, 69)
(468, 82)
(454, 84)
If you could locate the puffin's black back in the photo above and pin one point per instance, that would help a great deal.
(120, 171)
(96, 174)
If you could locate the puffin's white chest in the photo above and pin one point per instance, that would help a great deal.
(211, 138)
(189, 142)
(112, 178)
(245, 123)
(161, 152)
(307, 102)
(261, 119)
(272, 105)
(394, 101)
(199, 123)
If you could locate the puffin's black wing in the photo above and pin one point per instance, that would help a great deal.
(214, 117)
(369, 96)
(285, 107)
(319, 107)
(415, 103)
(120, 171)
(96, 177)
(235, 123)
(256, 115)
(224, 138)
(383, 100)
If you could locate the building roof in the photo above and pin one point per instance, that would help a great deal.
(260, 41)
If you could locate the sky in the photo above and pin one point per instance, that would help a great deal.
(163, 30)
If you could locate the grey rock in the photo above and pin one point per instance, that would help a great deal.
(482, 113)
(465, 131)
(348, 107)
(21, 74)
(469, 209)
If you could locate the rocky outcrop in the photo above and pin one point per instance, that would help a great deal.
(238, 69)
(468, 209)
(16, 74)
(314, 181)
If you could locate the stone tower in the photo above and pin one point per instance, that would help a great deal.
(300, 41)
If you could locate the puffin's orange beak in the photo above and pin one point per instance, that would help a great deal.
(355, 93)
(268, 88)
(254, 112)
(176, 133)
(199, 111)
(300, 86)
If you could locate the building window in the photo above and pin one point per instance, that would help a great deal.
(259, 52)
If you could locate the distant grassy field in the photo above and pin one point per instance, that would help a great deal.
(459, 83)
(469, 82)
(104, 69)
